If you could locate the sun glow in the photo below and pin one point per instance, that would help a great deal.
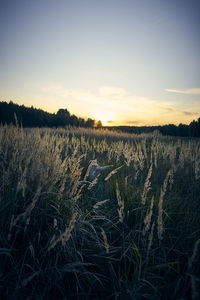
(105, 116)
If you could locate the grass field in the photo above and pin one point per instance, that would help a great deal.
(132, 232)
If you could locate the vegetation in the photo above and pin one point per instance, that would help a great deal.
(132, 232)
(32, 117)
(192, 130)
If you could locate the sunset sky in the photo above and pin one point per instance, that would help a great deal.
(125, 62)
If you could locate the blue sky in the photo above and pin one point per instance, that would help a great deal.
(124, 62)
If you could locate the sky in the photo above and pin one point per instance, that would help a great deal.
(124, 62)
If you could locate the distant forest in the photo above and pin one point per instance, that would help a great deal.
(191, 130)
(32, 117)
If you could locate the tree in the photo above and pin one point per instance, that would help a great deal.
(99, 124)
(89, 123)
(62, 117)
(74, 120)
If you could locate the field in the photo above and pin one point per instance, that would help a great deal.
(132, 232)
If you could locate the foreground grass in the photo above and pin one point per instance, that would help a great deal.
(131, 233)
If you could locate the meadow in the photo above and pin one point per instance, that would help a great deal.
(132, 232)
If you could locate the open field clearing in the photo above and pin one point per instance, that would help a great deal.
(71, 230)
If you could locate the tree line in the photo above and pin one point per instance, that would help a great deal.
(191, 130)
(33, 117)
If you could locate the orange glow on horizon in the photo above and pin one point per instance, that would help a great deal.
(106, 117)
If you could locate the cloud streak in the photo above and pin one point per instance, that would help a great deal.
(192, 91)
(184, 112)
(117, 106)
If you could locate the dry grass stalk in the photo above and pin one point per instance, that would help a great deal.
(94, 182)
(147, 219)
(78, 194)
(22, 182)
(11, 226)
(27, 280)
(112, 173)
(147, 186)
(75, 175)
(126, 183)
(197, 168)
(150, 238)
(25, 215)
(160, 204)
(55, 223)
(98, 204)
(92, 163)
(128, 155)
(194, 254)
(120, 204)
(150, 241)
(64, 237)
(106, 245)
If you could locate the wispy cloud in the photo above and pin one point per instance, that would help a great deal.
(174, 110)
(192, 91)
(115, 105)
(187, 113)
(135, 123)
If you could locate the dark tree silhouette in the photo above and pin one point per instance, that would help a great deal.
(90, 123)
(192, 130)
(99, 124)
(32, 117)
(62, 117)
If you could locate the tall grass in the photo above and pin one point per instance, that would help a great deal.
(132, 232)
